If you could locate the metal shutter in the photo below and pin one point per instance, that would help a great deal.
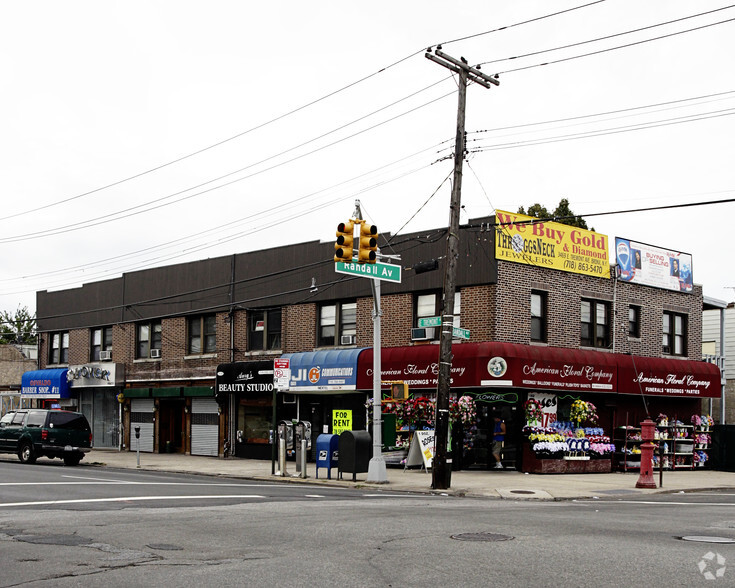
(141, 415)
(204, 427)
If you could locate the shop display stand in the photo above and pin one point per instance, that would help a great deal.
(678, 445)
(627, 441)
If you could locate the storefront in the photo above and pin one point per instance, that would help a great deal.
(47, 389)
(501, 378)
(247, 388)
(323, 391)
(95, 387)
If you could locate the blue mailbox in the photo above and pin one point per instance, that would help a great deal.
(327, 453)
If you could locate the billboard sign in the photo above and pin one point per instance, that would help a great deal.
(639, 263)
(525, 239)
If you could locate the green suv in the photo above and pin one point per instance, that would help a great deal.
(33, 433)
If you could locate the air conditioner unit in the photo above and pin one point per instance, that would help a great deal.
(155, 353)
(422, 334)
(105, 355)
(347, 340)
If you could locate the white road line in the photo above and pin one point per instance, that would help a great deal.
(98, 479)
(126, 499)
(313, 496)
(124, 483)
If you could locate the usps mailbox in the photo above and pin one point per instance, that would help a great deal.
(327, 453)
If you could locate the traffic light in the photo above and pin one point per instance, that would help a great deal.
(367, 252)
(343, 245)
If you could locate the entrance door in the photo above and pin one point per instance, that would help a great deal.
(171, 425)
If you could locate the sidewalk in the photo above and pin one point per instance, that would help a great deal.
(508, 484)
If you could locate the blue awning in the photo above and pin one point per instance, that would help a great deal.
(45, 384)
(323, 372)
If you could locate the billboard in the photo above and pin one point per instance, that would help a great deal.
(639, 263)
(525, 239)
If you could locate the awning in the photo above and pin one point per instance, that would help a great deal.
(324, 372)
(657, 376)
(45, 384)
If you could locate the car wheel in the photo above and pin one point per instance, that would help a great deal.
(72, 460)
(25, 454)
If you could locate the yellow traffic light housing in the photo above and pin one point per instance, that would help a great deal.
(345, 240)
(367, 251)
(399, 390)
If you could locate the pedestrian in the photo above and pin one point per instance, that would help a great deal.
(498, 438)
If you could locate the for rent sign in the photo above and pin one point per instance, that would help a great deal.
(524, 239)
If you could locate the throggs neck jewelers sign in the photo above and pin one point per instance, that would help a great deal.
(523, 239)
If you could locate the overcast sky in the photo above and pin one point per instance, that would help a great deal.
(137, 134)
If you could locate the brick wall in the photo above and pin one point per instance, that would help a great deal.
(12, 366)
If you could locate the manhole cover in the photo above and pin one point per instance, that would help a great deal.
(522, 492)
(164, 547)
(705, 539)
(481, 537)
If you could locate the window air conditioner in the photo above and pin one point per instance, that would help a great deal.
(347, 340)
(105, 355)
(155, 353)
(422, 334)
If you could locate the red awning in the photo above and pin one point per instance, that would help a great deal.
(657, 376)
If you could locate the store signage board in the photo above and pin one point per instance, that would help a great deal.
(421, 450)
(379, 271)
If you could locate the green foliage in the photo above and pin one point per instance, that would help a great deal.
(18, 327)
(562, 214)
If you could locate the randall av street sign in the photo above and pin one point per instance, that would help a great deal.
(378, 271)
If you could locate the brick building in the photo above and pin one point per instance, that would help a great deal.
(149, 349)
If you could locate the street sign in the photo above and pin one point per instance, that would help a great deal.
(459, 333)
(281, 373)
(430, 321)
(378, 271)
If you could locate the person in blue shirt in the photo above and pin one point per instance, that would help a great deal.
(498, 438)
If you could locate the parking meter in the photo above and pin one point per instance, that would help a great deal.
(302, 442)
(137, 432)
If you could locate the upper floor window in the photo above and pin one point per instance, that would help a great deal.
(674, 333)
(634, 321)
(59, 348)
(264, 330)
(337, 324)
(202, 334)
(595, 324)
(101, 341)
(429, 305)
(148, 340)
(538, 315)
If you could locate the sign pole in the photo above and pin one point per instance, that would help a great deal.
(376, 468)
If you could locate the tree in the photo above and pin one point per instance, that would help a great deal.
(562, 214)
(19, 328)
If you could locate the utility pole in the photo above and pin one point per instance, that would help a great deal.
(441, 470)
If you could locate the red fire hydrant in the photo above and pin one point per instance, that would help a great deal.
(645, 480)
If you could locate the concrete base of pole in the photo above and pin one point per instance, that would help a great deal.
(377, 473)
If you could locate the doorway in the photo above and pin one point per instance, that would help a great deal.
(171, 434)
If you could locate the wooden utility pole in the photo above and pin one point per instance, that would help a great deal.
(442, 468)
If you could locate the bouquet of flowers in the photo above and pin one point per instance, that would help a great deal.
(549, 449)
(662, 420)
(601, 449)
(533, 410)
(696, 420)
(462, 410)
(582, 411)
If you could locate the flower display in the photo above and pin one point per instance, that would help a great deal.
(601, 449)
(553, 449)
(533, 410)
(462, 410)
(696, 420)
(662, 420)
(582, 411)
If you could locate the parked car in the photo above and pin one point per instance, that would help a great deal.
(33, 433)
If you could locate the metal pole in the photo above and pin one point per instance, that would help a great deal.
(376, 467)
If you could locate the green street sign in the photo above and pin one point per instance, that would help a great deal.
(430, 321)
(459, 333)
(377, 271)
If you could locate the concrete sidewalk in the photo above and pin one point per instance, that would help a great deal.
(480, 483)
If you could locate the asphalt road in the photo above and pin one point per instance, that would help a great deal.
(64, 526)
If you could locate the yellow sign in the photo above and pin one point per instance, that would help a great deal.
(341, 421)
(525, 239)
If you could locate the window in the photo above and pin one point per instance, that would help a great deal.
(101, 341)
(202, 334)
(59, 348)
(674, 333)
(538, 316)
(337, 324)
(634, 321)
(148, 337)
(264, 330)
(595, 324)
(429, 305)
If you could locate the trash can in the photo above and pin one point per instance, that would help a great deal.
(354, 453)
(327, 453)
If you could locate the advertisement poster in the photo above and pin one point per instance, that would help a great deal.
(548, 408)
(639, 263)
(551, 245)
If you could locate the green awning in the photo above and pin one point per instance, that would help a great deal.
(137, 393)
(199, 391)
(166, 392)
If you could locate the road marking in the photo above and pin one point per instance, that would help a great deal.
(126, 499)
(98, 479)
(313, 496)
